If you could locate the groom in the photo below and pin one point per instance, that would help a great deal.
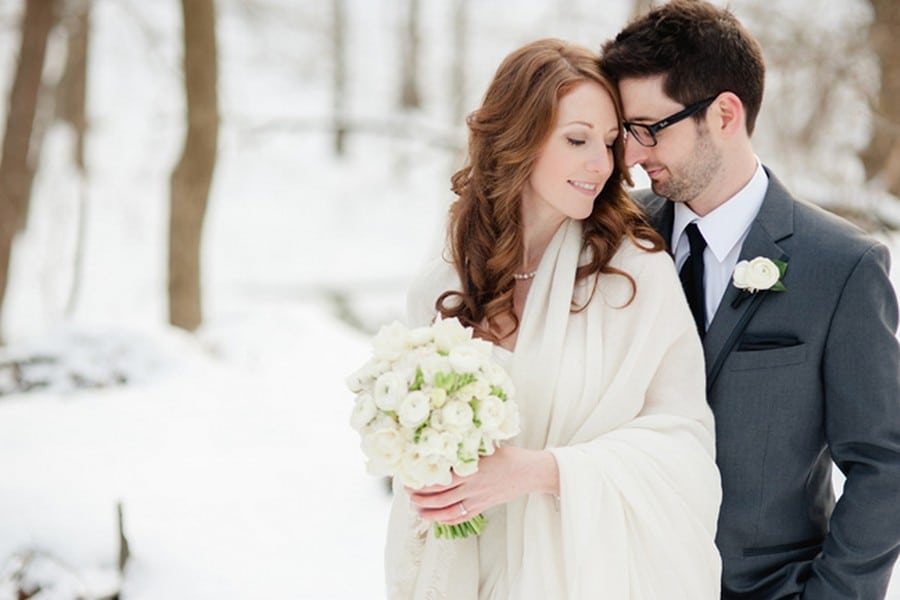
(804, 367)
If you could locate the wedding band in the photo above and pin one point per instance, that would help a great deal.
(462, 509)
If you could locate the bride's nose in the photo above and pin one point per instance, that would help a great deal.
(601, 162)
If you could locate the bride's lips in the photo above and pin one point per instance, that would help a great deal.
(585, 187)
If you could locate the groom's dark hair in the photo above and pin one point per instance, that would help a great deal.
(701, 49)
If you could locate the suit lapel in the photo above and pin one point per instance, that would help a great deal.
(773, 224)
(660, 214)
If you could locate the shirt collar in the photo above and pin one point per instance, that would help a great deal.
(724, 227)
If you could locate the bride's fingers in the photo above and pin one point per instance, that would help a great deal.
(436, 500)
(450, 515)
(437, 489)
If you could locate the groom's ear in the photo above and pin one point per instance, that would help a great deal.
(727, 113)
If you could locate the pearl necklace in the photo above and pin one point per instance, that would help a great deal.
(524, 276)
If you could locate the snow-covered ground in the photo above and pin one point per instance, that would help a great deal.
(229, 450)
(237, 472)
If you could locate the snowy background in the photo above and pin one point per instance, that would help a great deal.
(229, 450)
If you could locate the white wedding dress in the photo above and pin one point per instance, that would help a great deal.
(492, 541)
(616, 392)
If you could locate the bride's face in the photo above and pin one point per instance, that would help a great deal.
(575, 161)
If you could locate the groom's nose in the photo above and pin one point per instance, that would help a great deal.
(634, 153)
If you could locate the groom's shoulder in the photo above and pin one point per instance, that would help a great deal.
(817, 228)
(828, 232)
(646, 199)
(651, 205)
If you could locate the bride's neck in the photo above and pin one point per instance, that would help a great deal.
(535, 239)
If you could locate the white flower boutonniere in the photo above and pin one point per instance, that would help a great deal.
(760, 274)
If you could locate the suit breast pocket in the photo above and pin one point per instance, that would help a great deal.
(744, 360)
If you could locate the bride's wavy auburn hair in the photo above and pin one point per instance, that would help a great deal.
(506, 134)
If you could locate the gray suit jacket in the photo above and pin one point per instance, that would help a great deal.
(795, 379)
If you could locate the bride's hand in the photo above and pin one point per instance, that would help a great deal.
(505, 475)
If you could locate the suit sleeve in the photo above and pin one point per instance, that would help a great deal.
(861, 373)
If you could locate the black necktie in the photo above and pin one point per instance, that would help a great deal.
(692, 277)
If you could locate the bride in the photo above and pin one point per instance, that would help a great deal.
(610, 490)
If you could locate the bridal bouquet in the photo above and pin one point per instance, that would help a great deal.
(432, 400)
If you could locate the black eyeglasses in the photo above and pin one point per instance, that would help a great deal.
(645, 135)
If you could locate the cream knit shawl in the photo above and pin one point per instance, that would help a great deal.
(617, 393)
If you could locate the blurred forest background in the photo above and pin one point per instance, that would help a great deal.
(392, 77)
(183, 166)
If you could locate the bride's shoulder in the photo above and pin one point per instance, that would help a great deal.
(639, 259)
(436, 273)
(433, 279)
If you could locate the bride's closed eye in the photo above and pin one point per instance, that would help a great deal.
(574, 141)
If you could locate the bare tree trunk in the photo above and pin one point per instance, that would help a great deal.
(15, 166)
(882, 157)
(192, 177)
(409, 91)
(71, 96)
(460, 46)
(71, 93)
(338, 34)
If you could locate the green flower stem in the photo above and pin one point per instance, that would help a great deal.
(473, 526)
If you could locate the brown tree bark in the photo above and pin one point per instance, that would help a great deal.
(71, 93)
(191, 179)
(339, 74)
(460, 49)
(70, 105)
(409, 67)
(16, 163)
(882, 157)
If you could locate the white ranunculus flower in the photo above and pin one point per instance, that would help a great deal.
(510, 426)
(364, 411)
(357, 381)
(418, 470)
(414, 409)
(497, 376)
(410, 359)
(470, 444)
(465, 468)
(457, 414)
(438, 397)
(449, 333)
(408, 373)
(488, 445)
(420, 336)
(433, 365)
(757, 274)
(492, 413)
(384, 448)
(390, 389)
(391, 341)
(466, 359)
(479, 389)
(485, 347)
(366, 374)
(442, 443)
(437, 421)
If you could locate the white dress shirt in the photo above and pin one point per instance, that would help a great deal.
(724, 230)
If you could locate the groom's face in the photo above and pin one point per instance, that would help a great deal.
(684, 161)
